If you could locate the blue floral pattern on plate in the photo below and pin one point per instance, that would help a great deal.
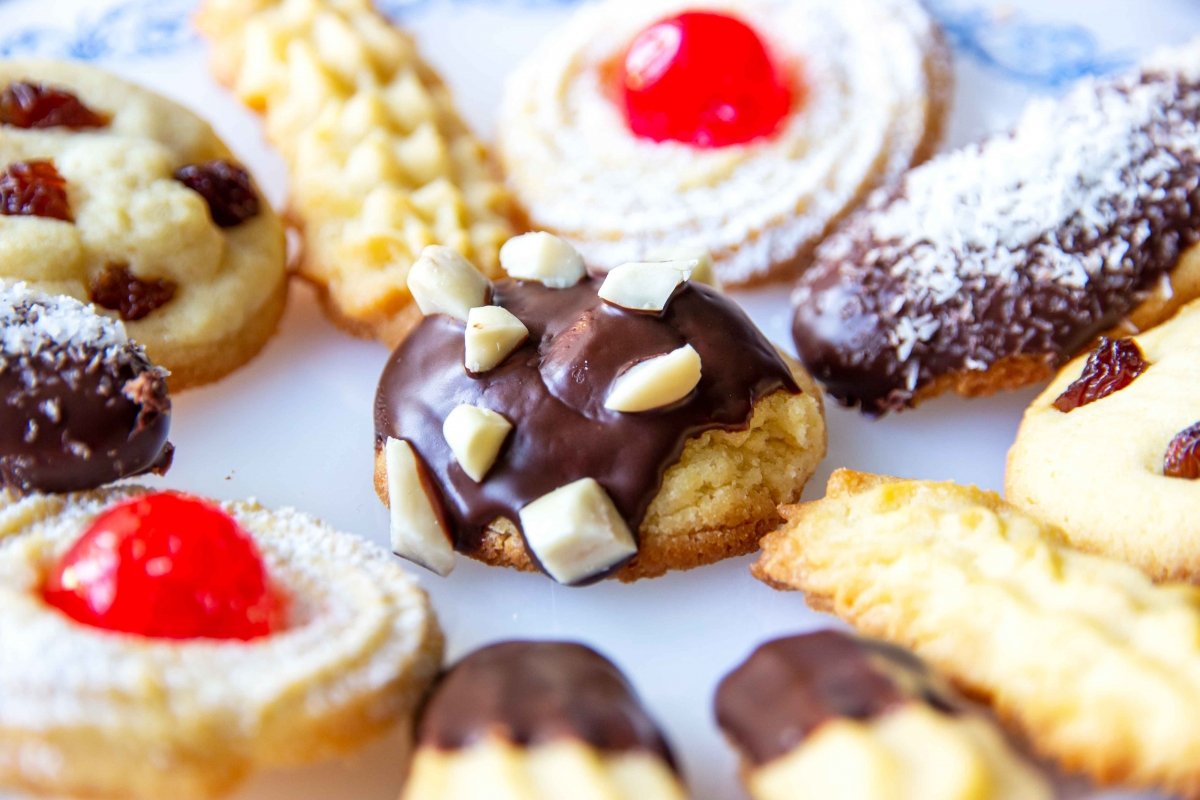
(1046, 55)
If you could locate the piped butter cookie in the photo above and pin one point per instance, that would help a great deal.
(1098, 667)
(158, 645)
(381, 164)
(539, 721)
(832, 716)
(1110, 452)
(989, 267)
(625, 426)
(115, 195)
(82, 405)
(746, 128)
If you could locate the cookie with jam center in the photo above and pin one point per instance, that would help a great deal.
(82, 404)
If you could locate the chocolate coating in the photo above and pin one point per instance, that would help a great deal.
(76, 413)
(552, 390)
(790, 687)
(1026, 248)
(531, 693)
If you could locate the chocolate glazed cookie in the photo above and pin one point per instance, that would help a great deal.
(82, 405)
(989, 267)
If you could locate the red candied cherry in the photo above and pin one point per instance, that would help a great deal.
(166, 566)
(705, 79)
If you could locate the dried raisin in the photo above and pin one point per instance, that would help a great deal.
(1183, 454)
(226, 187)
(118, 289)
(35, 105)
(1113, 365)
(34, 189)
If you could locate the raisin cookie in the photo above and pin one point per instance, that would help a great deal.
(1110, 452)
(831, 716)
(157, 645)
(112, 194)
(744, 128)
(1096, 665)
(989, 267)
(381, 164)
(589, 427)
(83, 406)
(539, 721)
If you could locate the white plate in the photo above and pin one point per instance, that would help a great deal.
(295, 426)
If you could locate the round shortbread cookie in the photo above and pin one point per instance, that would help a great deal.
(1100, 470)
(199, 279)
(96, 714)
(870, 81)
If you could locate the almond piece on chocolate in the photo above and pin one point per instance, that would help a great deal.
(542, 257)
(576, 532)
(475, 436)
(655, 382)
(443, 282)
(492, 334)
(644, 286)
(418, 529)
(697, 261)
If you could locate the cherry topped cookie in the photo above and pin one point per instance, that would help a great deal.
(160, 645)
(590, 427)
(989, 267)
(82, 405)
(747, 129)
(114, 195)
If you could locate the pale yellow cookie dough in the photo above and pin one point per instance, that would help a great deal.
(1097, 471)
(129, 210)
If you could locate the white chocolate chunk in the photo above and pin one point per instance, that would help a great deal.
(417, 527)
(542, 257)
(475, 436)
(492, 333)
(655, 382)
(576, 532)
(443, 282)
(644, 286)
(697, 261)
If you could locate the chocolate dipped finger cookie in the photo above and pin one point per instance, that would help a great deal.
(1110, 452)
(1096, 665)
(83, 405)
(158, 645)
(989, 267)
(832, 716)
(381, 163)
(539, 721)
(744, 128)
(589, 427)
(120, 197)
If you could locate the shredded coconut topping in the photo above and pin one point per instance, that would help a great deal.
(34, 322)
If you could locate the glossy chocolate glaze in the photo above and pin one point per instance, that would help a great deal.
(552, 390)
(790, 687)
(77, 415)
(876, 332)
(532, 693)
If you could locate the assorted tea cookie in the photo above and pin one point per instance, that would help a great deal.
(989, 267)
(1096, 665)
(82, 404)
(618, 427)
(539, 721)
(158, 645)
(381, 163)
(746, 128)
(833, 716)
(113, 194)
(1110, 452)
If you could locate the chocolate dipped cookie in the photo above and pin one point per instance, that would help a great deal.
(539, 721)
(837, 717)
(989, 267)
(618, 427)
(82, 405)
